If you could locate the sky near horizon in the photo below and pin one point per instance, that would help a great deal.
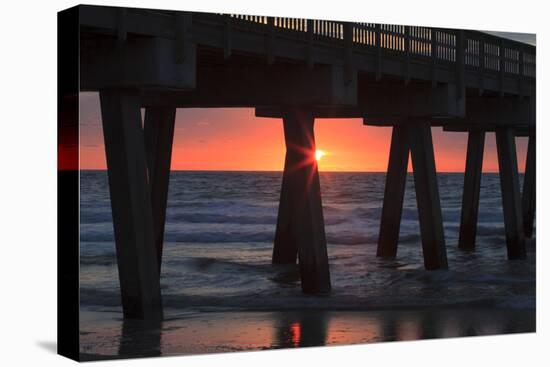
(234, 139)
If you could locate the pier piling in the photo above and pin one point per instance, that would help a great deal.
(427, 197)
(300, 225)
(131, 206)
(509, 187)
(415, 138)
(529, 188)
(470, 196)
(285, 247)
(159, 135)
(394, 193)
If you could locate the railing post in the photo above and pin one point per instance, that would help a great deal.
(348, 52)
(433, 52)
(121, 24)
(183, 22)
(309, 56)
(378, 37)
(459, 61)
(227, 38)
(407, 55)
(481, 67)
(270, 40)
(521, 70)
(501, 67)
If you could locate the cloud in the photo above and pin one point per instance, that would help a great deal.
(203, 123)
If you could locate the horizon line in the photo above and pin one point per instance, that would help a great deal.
(277, 171)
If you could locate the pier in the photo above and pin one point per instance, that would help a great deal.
(408, 78)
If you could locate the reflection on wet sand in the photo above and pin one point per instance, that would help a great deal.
(215, 332)
(140, 338)
(300, 330)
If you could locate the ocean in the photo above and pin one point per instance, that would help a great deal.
(221, 292)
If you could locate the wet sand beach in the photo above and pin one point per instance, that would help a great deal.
(215, 332)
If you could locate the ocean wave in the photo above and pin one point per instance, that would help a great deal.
(219, 236)
(248, 233)
(94, 235)
(191, 237)
(109, 300)
(106, 259)
(489, 230)
(215, 204)
(245, 236)
(221, 265)
(95, 216)
(350, 239)
(220, 218)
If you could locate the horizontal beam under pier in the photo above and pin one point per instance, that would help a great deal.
(401, 106)
(386, 105)
(143, 62)
(491, 112)
(518, 130)
(381, 102)
(252, 86)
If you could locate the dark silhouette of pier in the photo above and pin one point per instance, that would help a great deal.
(407, 77)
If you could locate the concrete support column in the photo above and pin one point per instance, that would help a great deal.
(159, 136)
(131, 206)
(416, 138)
(511, 198)
(300, 224)
(394, 193)
(529, 188)
(285, 246)
(470, 196)
(427, 197)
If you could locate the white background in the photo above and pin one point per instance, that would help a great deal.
(28, 149)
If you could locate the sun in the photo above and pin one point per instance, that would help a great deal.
(319, 154)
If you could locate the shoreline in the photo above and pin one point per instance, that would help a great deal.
(105, 335)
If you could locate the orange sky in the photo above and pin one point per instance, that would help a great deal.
(233, 139)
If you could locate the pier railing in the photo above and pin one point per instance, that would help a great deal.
(479, 51)
(468, 58)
